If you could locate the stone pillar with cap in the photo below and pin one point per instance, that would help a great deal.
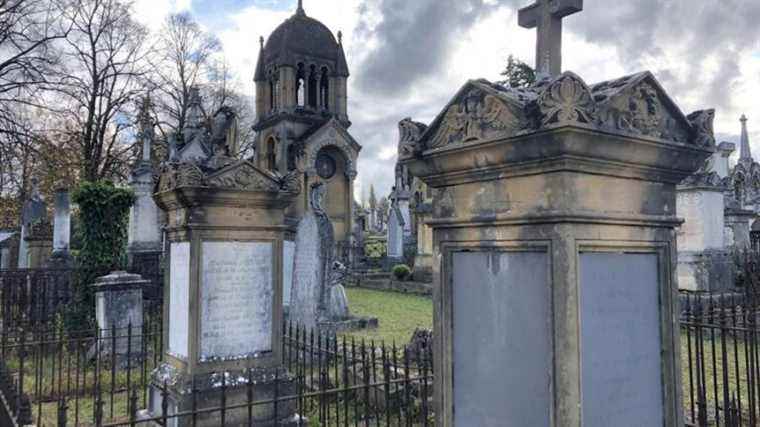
(119, 313)
(145, 239)
(223, 310)
(555, 251)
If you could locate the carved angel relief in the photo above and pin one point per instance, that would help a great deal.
(410, 133)
(567, 100)
(702, 125)
(476, 118)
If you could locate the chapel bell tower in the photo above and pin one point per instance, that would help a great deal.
(301, 114)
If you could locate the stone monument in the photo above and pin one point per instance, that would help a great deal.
(395, 234)
(144, 248)
(33, 211)
(318, 298)
(119, 306)
(39, 243)
(704, 260)
(61, 256)
(223, 301)
(554, 237)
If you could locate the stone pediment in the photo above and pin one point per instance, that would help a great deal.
(638, 104)
(242, 176)
(634, 105)
(478, 112)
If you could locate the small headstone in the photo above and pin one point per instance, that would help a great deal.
(395, 235)
(119, 312)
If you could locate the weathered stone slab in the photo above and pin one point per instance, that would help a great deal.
(236, 300)
(288, 263)
(179, 303)
(621, 359)
(308, 273)
(502, 339)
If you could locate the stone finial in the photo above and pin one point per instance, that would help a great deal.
(745, 152)
(340, 37)
(261, 41)
(300, 10)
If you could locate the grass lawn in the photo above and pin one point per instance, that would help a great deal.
(398, 314)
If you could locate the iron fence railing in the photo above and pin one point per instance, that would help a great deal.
(73, 378)
(720, 352)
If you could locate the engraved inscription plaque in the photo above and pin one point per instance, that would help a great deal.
(502, 339)
(621, 346)
(179, 282)
(236, 300)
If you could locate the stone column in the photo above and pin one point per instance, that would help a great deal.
(223, 308)
(61, 256)
(119, 305)
(555, 253)
(145, 238)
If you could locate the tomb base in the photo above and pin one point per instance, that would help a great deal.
(204, 398)
(710, 270)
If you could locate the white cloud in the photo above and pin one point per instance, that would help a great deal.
(479, 51)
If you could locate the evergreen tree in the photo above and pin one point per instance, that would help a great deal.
(517, 74)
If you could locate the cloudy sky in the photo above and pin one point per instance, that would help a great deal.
(408, 57)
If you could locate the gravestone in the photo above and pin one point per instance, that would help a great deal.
(61, 230)
(145, 238)
(395, 236)
(704, 260)
(119, 313)
(33, 211)
(318, 298)
(554, 244)
(313, 259)
(223, 303)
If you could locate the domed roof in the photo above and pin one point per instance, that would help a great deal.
(298, 37)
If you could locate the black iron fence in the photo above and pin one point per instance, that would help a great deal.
(720, 352)
(57, 378)
(84, 370)
(33, 296)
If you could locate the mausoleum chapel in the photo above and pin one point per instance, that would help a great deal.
(302, 116)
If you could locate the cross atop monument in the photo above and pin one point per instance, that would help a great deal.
(547, 15)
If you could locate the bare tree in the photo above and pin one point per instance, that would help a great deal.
(28, 57)
(105, 66)
(225, 89)
(184, 53)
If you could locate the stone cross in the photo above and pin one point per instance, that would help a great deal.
(547, 15)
